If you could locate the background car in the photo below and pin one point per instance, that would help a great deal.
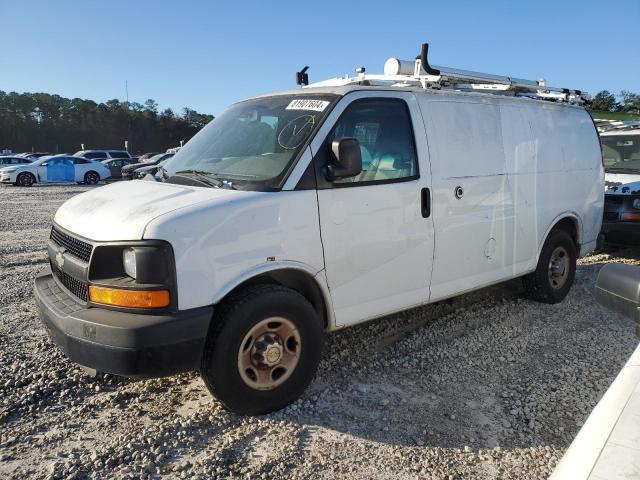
(115, 166)
(59, 168)
(102, 154)
(127, 172)
(145, 157)
(33, 155)
(8, 161)
(142, 172)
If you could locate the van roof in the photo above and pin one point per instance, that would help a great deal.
(342, 90)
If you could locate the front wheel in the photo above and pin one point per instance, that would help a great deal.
(25, 179)
(263, 349)
(91, 178)
(556, 270)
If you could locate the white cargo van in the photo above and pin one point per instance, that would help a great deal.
(299, 213)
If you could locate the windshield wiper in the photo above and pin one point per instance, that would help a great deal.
(207, 178)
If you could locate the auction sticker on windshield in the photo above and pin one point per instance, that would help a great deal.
(308, 104)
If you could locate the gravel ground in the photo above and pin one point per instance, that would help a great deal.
(488, 385)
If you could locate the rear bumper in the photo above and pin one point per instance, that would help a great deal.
(625, 233)
(128, 344)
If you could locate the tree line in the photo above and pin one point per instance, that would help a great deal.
(51, 123)
(624, 102)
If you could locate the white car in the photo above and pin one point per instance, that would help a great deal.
(303, 212)
(59, 168)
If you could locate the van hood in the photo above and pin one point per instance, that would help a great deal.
(631, 188)
(121, 211)
(620, 180)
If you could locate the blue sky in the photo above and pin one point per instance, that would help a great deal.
(206, 55)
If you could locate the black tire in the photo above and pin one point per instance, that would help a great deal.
(91, 178)
(232, 321)
(25, 179)
(544, 285)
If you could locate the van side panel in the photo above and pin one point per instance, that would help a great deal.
(566, 177)
(473, 229)
(520, 158)
(523, 165)
(214, 245)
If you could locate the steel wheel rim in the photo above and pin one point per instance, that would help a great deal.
(269, 353)
(559, 266)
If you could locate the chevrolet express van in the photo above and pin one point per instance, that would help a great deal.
(299, 213)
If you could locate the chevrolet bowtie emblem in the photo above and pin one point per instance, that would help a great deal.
(60, 259)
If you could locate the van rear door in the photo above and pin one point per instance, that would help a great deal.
(376, 228)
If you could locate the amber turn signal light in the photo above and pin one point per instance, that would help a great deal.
(630, 217)
(129, 298)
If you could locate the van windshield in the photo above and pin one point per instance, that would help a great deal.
(621, 153)
(251, 144)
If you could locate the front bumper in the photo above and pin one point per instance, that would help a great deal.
(128, 344)
(6, 178)
(624, 233)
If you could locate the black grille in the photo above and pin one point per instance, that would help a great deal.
(614, 199)
(610, 216)
(75, 286)
(75, 247)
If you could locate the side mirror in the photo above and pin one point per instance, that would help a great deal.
(348, 159)
(618, 289)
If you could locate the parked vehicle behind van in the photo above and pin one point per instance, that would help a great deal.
(128, 172)
(102, 154)
(621, 151)
(55, 169)
(302, 212)
(7, 161)
(116, 165)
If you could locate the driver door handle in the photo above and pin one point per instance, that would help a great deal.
(425, 200)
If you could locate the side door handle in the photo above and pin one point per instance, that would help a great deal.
(425, 196)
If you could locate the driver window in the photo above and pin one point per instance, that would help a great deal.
(383, 128)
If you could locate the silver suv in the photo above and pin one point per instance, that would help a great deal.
(102, 154)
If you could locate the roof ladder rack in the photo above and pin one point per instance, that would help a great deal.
(420, 72)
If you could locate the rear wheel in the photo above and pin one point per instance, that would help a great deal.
(25, 179)
(263, 349)
(556, 270)
(91, 178)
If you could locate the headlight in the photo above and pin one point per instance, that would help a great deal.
(129, 262)
(636, 203)
(8, 170)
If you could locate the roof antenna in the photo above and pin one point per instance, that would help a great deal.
(424, 61)
(302, 77)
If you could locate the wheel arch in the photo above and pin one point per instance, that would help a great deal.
(293, 275)
(36, 177)
(569, 222)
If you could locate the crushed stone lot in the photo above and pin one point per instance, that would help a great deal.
(489, 385)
